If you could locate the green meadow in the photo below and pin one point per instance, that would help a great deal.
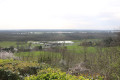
(7, 43)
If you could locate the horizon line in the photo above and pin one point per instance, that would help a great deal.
(61, 29)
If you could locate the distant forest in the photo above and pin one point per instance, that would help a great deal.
(53, 35)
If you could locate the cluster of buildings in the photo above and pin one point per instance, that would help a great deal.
(49, 44)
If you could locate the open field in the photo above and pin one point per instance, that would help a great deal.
(7, 43)
(15, 44)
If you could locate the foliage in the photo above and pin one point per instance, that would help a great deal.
(22, 68)
(19, 70)
(53, 74)
(9, 75)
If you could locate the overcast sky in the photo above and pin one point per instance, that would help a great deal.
(60, 14)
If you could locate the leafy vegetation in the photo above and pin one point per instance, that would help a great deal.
(24, 70)
(53, 74)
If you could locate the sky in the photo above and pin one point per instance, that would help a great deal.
(60, 14)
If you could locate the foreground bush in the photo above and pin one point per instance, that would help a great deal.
(9, 75)
(16, 70)
(22, 70)
(53, 74)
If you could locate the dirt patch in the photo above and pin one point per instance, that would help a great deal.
(78, 69)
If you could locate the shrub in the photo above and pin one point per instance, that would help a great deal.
(9, 75)
(53, 74)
